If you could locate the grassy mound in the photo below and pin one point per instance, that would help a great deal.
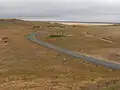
(56, 36)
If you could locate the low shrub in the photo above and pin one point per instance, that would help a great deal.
(56, 36)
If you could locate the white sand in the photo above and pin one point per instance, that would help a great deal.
(84, 23)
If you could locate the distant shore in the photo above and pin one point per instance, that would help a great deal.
(65, 22)
(71, 23)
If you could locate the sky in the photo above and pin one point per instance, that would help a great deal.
(75, 10)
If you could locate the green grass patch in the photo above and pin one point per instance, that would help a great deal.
(56, 36)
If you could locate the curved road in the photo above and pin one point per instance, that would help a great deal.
(107, 64)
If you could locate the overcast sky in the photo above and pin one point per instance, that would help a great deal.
(78, 10)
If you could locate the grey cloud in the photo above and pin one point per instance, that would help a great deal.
(80, 10)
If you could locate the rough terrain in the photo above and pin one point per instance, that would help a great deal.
(27, 66)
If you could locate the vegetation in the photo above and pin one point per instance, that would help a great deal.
(26, 65)
(113, 87)
(98, 41)
(56, 36)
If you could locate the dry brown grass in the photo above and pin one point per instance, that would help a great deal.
(98, 41)
(27, 66)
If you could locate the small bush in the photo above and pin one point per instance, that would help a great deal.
(56, 36)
